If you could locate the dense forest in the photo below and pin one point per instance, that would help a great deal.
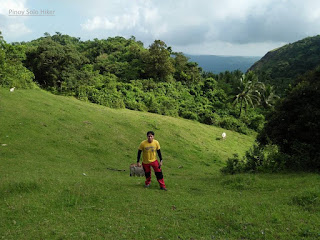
(121, 73)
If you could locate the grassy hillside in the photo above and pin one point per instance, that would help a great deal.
(56, 182)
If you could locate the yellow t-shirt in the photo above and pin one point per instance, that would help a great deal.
(149, 151)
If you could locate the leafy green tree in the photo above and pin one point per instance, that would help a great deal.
(2, 54)
(212, 92)
(294, 125)
(63, 39)
(125, 60)
(158, 62)
(185, 71)
(54, 65)
(12, 71)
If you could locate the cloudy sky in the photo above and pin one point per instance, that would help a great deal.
(214, 27)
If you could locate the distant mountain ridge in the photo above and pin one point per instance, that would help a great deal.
(217, 64)
(280, 67)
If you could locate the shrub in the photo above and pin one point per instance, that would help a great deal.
(134, 105)
(234, 165)
(257, 159)
(206, 116)
(257, 122)
(189, 115)
(234, 124)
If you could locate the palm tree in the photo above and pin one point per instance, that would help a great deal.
(250, 91)
(269, 97)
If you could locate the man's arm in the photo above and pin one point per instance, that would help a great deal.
(160, 157)
(138, 157)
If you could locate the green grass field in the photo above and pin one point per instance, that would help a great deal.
(56, 182)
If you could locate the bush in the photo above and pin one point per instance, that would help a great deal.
(234, 124)
(257, 159)
(206, 116)
(189, 115)
(257, 122)
(152, 104)
(234, 165)
(17, 76)
(254, 159)
(12, 71)
(134, 105)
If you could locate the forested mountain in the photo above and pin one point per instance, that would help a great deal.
(217, 64)
(280, 67)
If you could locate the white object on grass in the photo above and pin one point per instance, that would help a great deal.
(12, 89)
(224, 135)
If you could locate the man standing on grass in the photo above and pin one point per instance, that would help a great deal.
(149, 149)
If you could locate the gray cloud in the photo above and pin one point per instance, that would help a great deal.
(229, 25)
(185, 35)
(283, 24)
(275, 21)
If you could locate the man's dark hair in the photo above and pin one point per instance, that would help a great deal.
(150, 132)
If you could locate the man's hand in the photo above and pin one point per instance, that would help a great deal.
(138, 164)
(160, 164)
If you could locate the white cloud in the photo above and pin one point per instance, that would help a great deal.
(16, 29)
(137, 18)
(12, 27)
(98, 23)
(7, 5)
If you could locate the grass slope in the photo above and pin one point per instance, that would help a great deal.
(55, 179)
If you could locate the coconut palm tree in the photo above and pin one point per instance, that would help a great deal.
(249, 91)
(269, 97)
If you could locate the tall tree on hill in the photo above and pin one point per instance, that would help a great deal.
(185, 71)
(64, 39)
(123, 59)
(158, 61)
(54, 64)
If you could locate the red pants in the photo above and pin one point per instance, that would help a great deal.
(157, 172)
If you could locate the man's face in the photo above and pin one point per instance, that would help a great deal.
(150, 138)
